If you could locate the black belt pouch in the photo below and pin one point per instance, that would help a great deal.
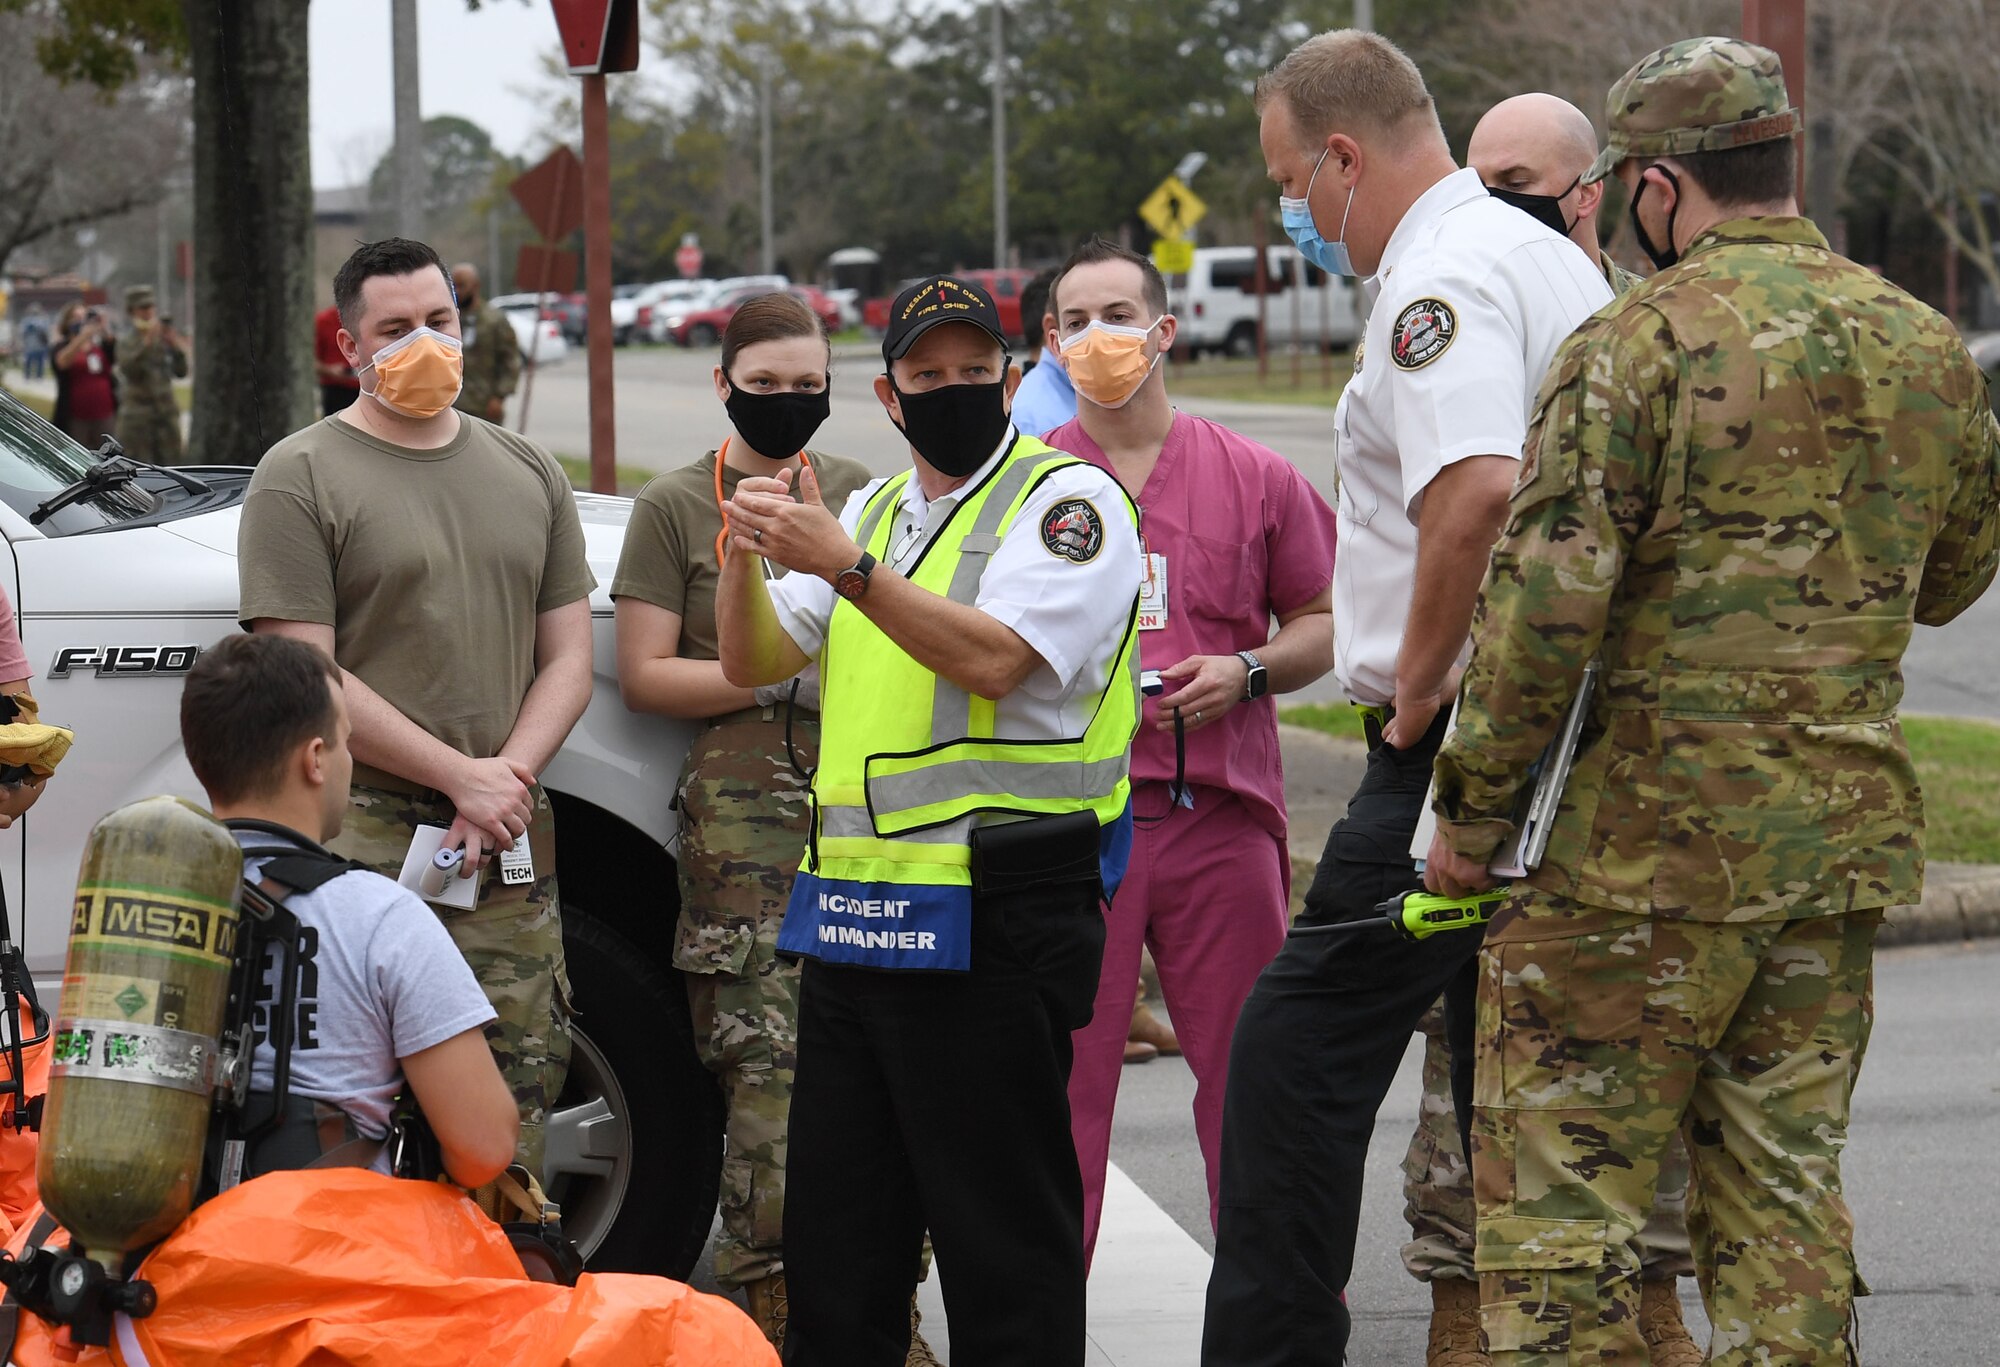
(1029, 854)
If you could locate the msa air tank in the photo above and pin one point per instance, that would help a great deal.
(144, 992)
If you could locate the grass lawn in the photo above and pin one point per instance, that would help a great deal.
(44, 407)
(1214, 377)
(1956, 761)
(630, 477)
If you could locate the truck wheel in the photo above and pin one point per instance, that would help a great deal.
(1242, 341)
(703, 335)
(635, 1140)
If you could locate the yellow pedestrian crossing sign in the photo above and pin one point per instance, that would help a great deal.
(1172, 209)
(1173, 255)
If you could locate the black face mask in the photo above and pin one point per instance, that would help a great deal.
(777, 426)
(956, 427)
(1544, 209)
(1661, 258)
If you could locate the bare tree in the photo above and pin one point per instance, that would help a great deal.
(75, 154)
(1942, 133)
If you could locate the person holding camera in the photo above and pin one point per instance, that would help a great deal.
(743, 804)
(86, 400)
(974, 618)
(150, 359)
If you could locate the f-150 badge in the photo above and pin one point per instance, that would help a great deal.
(124, 662)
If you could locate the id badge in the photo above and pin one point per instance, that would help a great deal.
(517, 864)
(1153, 594)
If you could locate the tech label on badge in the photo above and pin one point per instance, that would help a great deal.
(1422, 333)
(1073, 530)
(517, 863)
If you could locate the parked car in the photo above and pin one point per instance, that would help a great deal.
(1005, 287)
(1216, 303)
(532, 313)
(551, 349)
(849, 303)
(624, 313)
(703, 327)
(120, 589)
(665, 300)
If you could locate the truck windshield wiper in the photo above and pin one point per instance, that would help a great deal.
(114, 471)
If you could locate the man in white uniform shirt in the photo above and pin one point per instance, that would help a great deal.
(975, 623)
(1472, 298)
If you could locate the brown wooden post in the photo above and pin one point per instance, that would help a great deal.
(1780, 25)
(597, 283)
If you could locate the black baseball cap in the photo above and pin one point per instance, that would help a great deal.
(938, 299)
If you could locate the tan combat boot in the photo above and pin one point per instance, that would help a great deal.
(1455, 1337)
(1667, 1339)
(770, 1306)
(920, 1352)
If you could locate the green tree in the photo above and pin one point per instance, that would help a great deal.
(252, 191)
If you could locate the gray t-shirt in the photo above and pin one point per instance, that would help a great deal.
(379, 980)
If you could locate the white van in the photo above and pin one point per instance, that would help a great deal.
(1216, 302)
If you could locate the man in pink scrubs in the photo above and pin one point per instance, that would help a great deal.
(1232, 536)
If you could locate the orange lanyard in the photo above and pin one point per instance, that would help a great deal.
(721, 503)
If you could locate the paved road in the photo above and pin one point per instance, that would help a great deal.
(1926, 1110)
(668, 415)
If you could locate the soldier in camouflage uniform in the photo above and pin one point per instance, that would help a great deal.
(492, 350)
(150, 359)
(1747, 479)
(441, 562)
(1532, 152)
(743, 795)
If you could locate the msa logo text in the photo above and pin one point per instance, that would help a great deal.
(125, 662)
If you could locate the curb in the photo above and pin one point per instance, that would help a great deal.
(1961, 901)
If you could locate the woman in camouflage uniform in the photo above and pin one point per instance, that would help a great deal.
(742, 801)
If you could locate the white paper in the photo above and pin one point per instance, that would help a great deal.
(459, 893)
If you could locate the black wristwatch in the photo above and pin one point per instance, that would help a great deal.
(852, 582)
(1258, 683)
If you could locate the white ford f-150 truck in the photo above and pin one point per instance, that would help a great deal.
(121, 576)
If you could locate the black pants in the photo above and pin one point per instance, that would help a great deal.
(1316, 1048)
(939, 1101)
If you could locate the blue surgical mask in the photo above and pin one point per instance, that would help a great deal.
(1296, 214)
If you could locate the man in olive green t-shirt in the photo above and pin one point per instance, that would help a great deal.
(440, 561)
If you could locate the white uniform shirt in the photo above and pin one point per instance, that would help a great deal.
(1473, 298)
(1072, 613)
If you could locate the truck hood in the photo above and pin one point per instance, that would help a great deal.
(603, 516)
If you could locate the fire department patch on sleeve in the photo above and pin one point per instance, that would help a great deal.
(1422, 333)
(1073, 530)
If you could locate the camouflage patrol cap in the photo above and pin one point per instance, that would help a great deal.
(139, 297)
(1697, 95)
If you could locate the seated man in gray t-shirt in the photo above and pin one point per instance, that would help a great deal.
(383, 994)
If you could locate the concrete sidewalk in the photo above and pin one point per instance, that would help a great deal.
(1961, 901)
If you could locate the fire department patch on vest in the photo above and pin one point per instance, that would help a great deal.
(1422, 333)
(1073, 530)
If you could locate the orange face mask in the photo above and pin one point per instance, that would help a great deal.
(1107, 363)
(418, 374)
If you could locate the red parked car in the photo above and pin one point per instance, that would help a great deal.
(703, 328)
(1004, 286)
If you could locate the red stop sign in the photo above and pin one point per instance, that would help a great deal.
(687, 260)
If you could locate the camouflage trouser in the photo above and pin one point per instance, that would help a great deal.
(512, 939)
(151, 433)
(743, 815)
(1437, 1188)
(1602, 1035)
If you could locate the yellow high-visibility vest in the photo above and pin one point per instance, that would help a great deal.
(908, 759)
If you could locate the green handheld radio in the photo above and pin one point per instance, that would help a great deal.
(1419, 915)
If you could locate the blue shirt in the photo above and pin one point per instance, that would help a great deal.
(1046, 399)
